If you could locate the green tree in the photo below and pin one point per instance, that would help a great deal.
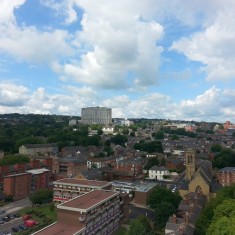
(41, 196)
(223, 221)
(224, 158)
(140, 226)
(162, 212)
(159, 135)
(119, 139)
(207, 214)
(215, 148)
(161, 194)
(165, 203)
(151, 162)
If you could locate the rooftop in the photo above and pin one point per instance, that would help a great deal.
(73, 181)
(37, 171)
(88, 200)
(59, 229)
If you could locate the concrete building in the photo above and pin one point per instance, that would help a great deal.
(226, 176)
(98, 212)
(96, 115)
(158, 172)
(68, 188)
(17, 185)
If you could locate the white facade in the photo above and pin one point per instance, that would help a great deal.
(108, 130)
(157, 173)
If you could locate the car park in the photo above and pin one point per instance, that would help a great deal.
(2, 221)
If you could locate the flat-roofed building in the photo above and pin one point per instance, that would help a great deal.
(68, 188)
(98, 212)
(96, 115)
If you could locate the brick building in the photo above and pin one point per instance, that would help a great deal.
(68, 188)
(17, 185)
(69, 166)
(39, 178)
(226, 176)
(98, 212)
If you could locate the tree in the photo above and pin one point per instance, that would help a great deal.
(41, 196)
(223, 221)
(165, 203)
(140, 226)
(163, 211)
(215, 148)
(224, 158)
(119, 139)
(159, 135)
(161, 194)
(207, 214)
(151, 162)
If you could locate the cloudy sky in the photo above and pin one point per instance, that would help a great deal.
(171, 59)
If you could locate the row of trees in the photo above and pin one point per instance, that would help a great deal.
(218, 217)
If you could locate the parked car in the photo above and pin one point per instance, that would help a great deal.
(23, 227)
(16, 215)
(2, 221)
(15, 229)
(6, 219)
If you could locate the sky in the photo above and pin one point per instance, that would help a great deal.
(164, 59)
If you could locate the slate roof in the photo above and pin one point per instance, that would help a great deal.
(158, 168)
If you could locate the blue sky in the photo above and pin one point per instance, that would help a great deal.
(171, 59)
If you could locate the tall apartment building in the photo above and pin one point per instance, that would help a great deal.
(96, 115)
(68, 188)
(98, 212)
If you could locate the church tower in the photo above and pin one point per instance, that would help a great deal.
(190, 163)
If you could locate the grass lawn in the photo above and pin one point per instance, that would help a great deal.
(45, 215)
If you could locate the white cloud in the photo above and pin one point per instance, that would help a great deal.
(27, 43)
(12, 95)
(118, 50)
(214, 46)
(7, 10)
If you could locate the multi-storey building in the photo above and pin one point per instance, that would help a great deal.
(68, 188)
(39, 179)
(34, 149)
(158, 172)
(96, 115)
(17, 185)
(69, 166)
(98, 212)
(226, 176)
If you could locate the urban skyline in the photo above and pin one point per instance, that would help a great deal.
(147, 59)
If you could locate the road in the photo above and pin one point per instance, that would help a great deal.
(136, 211)
(12, 208)
(16, 206)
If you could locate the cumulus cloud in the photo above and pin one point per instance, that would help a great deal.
(27, 43)
(214, 47)
(119, 50)
(12, 95)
